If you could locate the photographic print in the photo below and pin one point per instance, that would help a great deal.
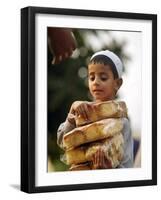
(70, 86)
(91, 82)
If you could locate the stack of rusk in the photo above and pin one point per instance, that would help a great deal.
(102, 131)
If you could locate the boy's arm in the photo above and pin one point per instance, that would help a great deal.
(127, 161)
(63, 128)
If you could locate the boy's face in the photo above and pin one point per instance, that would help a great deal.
(102, 84)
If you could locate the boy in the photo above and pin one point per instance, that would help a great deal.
(104, 79)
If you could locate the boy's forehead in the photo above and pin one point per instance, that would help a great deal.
(98, 67)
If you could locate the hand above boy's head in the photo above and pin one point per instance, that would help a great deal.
(61, 43)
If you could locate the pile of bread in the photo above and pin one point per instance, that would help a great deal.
(102, 131)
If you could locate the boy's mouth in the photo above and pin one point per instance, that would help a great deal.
(97, 90)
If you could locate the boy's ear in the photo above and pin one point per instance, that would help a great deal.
(118, 84)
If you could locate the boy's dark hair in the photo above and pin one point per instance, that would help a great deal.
(102, 59)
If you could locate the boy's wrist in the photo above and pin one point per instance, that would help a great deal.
(71, 118)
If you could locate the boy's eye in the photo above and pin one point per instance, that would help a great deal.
(91, 78)
(101, 77)
(104, 78)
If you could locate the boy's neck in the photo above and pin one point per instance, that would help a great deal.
(99, 100)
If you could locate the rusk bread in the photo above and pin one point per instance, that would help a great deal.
(96, 131)
(104, 110)
(112, 147)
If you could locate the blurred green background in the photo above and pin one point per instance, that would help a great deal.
(67, 82)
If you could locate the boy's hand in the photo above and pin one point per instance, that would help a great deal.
(71, 118)
(82, 108)
(100, 161)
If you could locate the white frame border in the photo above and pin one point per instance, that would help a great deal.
(42, 177)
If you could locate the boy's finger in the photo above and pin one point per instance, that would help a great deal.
(101, 158)
(79, 111)
(101, 155)
(84, 112)
(98, 158)
(94, 161)
(94, 108)
(104, 161)
(87, 110)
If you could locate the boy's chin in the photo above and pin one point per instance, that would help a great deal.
(99, 99)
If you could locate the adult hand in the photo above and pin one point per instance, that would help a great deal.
(61, 43)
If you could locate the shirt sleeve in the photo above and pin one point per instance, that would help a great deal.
(127, 161)
(62, 130)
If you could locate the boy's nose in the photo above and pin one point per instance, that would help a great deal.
(96, 81)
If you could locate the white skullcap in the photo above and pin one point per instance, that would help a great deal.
(115, 59)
